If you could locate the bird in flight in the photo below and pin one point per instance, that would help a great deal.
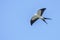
(38, 15)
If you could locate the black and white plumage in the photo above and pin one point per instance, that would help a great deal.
(38, 15)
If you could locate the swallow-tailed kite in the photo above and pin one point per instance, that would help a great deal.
(38, 15)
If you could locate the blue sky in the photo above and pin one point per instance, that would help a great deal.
(15, 16)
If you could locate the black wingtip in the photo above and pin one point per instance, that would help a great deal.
(31, 24)
(32, 21)
(43, 9)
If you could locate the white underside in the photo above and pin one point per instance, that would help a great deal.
(40, 17)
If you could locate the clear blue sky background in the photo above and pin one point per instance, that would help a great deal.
(15, 18)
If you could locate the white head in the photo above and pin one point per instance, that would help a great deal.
(35, 14)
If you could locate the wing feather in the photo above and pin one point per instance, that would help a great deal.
(33, 19)
(40, 11)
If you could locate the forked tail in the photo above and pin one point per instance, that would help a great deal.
(46, 18)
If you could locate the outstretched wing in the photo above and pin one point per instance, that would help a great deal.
(40, 11)
(33, 19)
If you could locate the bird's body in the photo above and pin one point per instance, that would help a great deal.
(38, 15)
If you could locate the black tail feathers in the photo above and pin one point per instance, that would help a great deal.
(47, 18)
(44, 21)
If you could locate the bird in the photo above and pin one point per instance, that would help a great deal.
(38, 15)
